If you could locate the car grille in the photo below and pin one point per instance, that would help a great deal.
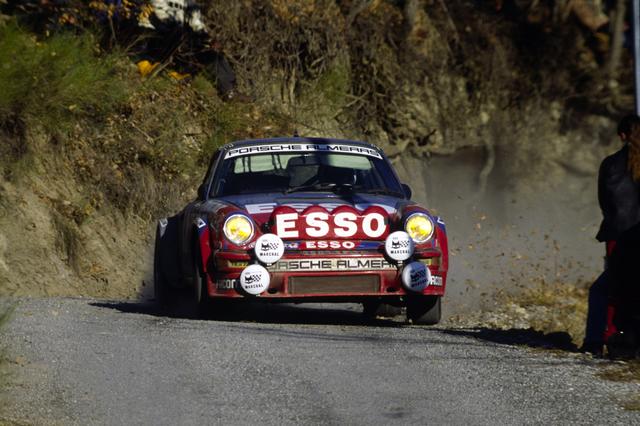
(334, 284)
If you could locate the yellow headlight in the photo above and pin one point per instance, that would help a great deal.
(419, 227)
(238, 229)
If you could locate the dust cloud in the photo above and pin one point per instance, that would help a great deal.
(522, 229)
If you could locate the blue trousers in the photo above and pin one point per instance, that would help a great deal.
(597, 313)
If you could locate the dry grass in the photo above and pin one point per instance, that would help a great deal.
(622, 372)
(628, 372)
(55, 80)
(545, 307)
(560, 306)
(633, 404)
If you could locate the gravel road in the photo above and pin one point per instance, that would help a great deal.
(77, 361)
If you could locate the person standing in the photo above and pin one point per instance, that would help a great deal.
(619, 199)
(175, 32)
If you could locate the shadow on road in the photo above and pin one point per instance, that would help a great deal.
(524, 337)
(263, 313)
(343, 315)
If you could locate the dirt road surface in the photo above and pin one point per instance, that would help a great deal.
(78, 361)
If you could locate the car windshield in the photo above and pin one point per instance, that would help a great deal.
(288, 172)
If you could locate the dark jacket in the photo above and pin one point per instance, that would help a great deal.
(618, 195)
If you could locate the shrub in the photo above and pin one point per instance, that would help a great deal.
(277, 41)
(57, 78)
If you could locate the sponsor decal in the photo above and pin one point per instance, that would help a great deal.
(396, 244)
(226, 284)
(368, 245)
(269, 248)
(328, 245)
(302, 147)
(264, 246)
(399, 246)
(316, 222)
(436, 281)
(254, 279)
(331, 245)
(415, 276)
(237, 263)
(300, 207)
(335, 264)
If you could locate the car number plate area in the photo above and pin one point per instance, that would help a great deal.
(334, 284)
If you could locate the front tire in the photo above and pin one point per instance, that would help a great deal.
(198, 295)
(424, 310)
(160, 284)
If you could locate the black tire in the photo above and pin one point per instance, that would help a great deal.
(165, 294)
(424, 310)
(374, 309)
(160, 284)
(198, 303)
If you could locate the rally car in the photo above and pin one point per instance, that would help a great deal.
(303, 220)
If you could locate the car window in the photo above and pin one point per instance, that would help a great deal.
(279, 172)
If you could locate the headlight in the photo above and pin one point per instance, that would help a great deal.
(419, 227)
(238, 229)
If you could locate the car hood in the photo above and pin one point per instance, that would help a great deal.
(258, 204)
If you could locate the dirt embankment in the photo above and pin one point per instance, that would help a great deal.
(505, 149)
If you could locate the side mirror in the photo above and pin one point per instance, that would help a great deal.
(202, 192)
(407, 190)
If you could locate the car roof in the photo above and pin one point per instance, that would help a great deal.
(296, 139)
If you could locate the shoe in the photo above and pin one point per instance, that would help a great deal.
(595, 349)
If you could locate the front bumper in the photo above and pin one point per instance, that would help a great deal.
(311, 276)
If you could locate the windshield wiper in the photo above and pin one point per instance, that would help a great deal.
(337, 188)
(380, 191)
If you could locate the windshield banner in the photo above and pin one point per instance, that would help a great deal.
(297, 147)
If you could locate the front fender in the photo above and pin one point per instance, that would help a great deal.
(202, 237)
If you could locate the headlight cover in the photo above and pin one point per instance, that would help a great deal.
(238, 229)
(420, 227)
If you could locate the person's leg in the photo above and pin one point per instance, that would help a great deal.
(597, 314)
(225, 77)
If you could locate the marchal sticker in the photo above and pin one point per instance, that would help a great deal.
(416, 276)
(269, 248)
(254, 279)
(399, 246)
